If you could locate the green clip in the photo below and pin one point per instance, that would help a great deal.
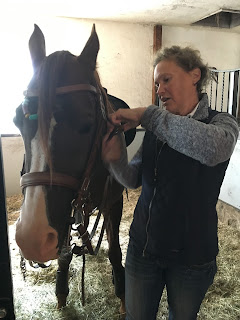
(33, 116)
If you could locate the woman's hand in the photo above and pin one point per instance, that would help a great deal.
(129, 118)
(112, 145)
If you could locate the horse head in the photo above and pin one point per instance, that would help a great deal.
(60, 120)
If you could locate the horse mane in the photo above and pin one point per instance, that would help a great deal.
(109, 107)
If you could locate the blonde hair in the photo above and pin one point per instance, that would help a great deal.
(188, 59)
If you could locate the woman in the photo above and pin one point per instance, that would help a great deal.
(180, 165)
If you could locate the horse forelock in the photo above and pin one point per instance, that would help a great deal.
(48, 78)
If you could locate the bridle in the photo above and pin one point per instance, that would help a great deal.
(81, 202)
(81, 188)
(63, 90)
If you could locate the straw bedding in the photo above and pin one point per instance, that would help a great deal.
(35, 299)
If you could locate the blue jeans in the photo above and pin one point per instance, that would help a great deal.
(146, 278)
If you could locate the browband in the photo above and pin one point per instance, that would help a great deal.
(63, 90)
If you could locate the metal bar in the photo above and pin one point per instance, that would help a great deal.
(235, 93)
(229, 75)
(238, 107)
(227, 70)
(216, 92)
(6, 287)
(231, 92)
(211, 88)
(223, 83)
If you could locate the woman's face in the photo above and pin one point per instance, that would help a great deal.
(176, 88)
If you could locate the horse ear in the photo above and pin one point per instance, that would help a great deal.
(37, 47)
(90, 51)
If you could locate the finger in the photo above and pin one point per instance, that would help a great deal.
(121, 115)
(113, 119)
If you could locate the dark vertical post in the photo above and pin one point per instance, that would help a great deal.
(235, 93)
(157, 45)
(216, 92)
(238, 113)
(6, 288)
(229, 80)
(223, 86)
(211, 89)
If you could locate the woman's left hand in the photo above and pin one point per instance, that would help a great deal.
(112, 146)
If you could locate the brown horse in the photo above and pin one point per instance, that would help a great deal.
(62, 121)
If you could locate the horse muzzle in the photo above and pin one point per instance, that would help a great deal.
(37, 245)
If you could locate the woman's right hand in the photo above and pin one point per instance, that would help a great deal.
(129, 118)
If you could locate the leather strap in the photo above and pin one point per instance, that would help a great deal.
(45, 179)
(63, 90)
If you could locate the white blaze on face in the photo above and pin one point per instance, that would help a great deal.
(38, 163)
(34, 236)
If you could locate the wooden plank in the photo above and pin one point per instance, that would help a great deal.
(157, 45)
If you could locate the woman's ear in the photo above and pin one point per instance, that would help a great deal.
(196, 75)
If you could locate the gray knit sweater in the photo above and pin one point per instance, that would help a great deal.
(210, 143)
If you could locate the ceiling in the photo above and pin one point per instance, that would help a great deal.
(165, 12)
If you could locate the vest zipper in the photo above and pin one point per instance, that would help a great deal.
(154, 193)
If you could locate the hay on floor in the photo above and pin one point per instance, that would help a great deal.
(35, 299)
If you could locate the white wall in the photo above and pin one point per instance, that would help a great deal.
(124, 59)
(13, 151)
(230, 191)
(219, 48)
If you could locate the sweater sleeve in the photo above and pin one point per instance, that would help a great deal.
(210, 143)
(128, 174)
